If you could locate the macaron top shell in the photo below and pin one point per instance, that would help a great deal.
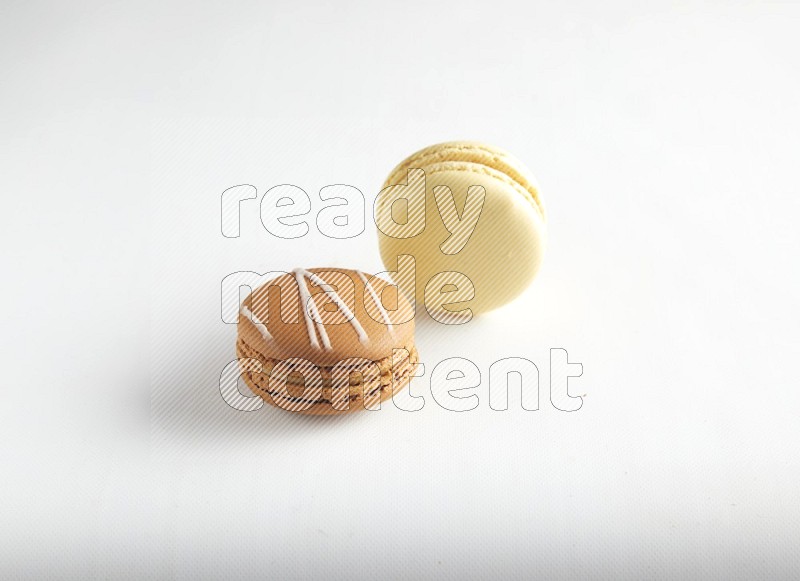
(474, 152)
(326, 315)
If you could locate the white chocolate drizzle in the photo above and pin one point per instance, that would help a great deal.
(305, 304)
(314, 318)
(311, 313)
(258, 324)
(378, 302)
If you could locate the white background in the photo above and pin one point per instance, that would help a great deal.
(665, 138)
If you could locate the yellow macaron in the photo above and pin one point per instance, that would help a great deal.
(471, 216)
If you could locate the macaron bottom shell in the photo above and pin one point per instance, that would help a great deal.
(362, 394)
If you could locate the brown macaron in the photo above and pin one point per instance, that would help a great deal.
(326, 341)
